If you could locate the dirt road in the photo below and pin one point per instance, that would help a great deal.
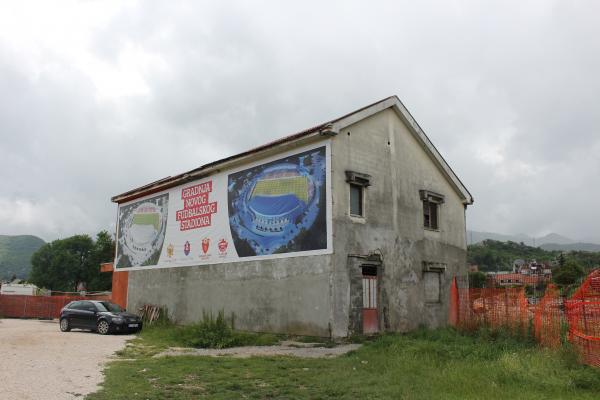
(37, 361)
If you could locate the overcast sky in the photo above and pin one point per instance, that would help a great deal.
(99, 97)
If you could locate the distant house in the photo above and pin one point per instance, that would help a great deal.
(517, 264)
(508, 279)
(473, 268)
(531, 268)
(18, 289)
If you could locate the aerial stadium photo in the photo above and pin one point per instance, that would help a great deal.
(142, 227)
(279, 207)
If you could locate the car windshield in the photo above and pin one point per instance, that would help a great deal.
(106, 306)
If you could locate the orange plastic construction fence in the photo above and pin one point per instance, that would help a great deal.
(508, 308)
(17, 306)
(471, 309)
(583, 315)
(547, 318)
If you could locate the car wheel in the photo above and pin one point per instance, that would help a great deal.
(65, 326)
(102, 327)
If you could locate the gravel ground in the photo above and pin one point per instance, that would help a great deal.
(291, 349)
(37, 361)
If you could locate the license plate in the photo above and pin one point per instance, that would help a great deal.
(133, 325)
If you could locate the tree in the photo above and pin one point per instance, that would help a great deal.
(477, 279)
(104, 251)
(561, 260)
(62, 264)
(569, 274)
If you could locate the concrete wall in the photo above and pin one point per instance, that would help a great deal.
(289, 295)
(392, 229)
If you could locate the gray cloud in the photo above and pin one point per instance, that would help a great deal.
(101, 97)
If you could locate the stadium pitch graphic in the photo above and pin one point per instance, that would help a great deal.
(142, 227)
(280, 206)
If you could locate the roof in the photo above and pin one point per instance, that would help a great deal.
(329, 128)
(516, 278)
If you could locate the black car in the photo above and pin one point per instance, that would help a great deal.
(101, 316)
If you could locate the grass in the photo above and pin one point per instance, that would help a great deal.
(440, 364)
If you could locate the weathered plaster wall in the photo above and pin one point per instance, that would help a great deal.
(382, 147)
(289, 295)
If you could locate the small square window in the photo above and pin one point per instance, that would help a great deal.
(356, 200)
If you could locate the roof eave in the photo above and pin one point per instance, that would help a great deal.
(314, 134)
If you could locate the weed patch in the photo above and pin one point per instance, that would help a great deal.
(213, 332)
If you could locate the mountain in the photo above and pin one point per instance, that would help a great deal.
(552, 241)
(476, 237)
(554, 238)
(15, 255)
(571, 246)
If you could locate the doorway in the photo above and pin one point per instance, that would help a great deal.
(370, 317)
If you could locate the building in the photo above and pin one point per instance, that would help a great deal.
(22, 289)
(524, 273)
(356, 225)
(518, 264)
(517, 279)
(473, 268)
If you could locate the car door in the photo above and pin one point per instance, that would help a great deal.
(89, 312)
(76, 315)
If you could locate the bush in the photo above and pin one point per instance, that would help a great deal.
(211, 332)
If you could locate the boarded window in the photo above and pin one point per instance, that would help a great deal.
(432, 287)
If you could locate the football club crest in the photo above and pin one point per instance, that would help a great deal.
(186, 248)
(222, 246)
(170, 250)
(205, 245)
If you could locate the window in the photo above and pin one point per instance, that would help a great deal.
(356, 200)
(432, 287)
(76, 305)
(107, 306)
(432, 278)
(431, 206)
(358, 182)
(430, 215)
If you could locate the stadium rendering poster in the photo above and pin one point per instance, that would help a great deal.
(279, 207)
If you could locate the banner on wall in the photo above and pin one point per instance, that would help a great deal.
(276, 208)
